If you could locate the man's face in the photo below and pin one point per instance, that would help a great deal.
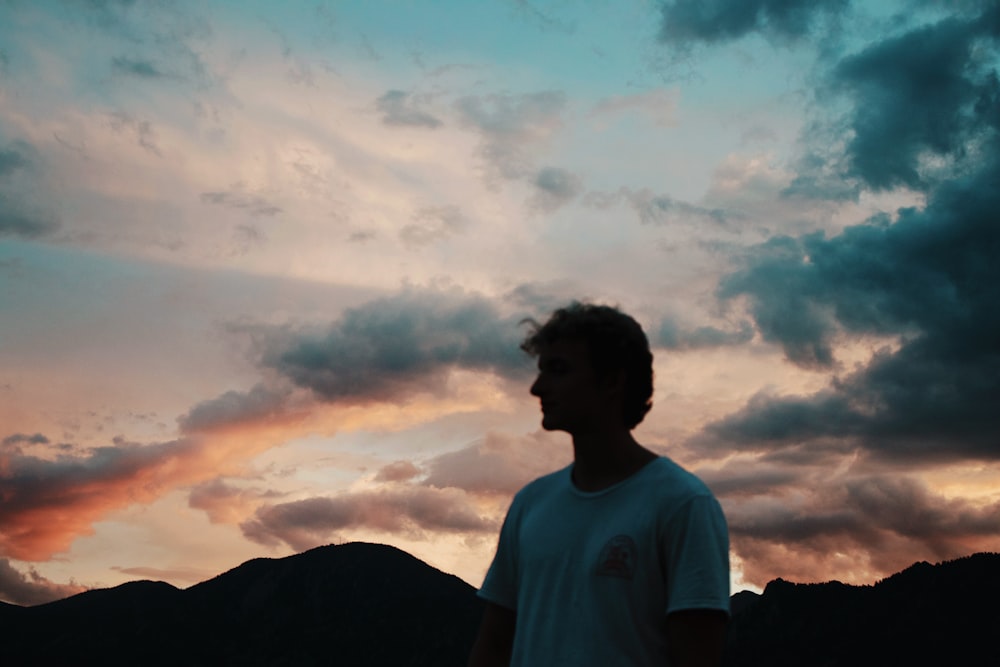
(571, 396)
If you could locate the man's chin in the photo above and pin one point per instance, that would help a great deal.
(550, 424)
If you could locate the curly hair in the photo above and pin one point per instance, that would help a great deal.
(615, 342)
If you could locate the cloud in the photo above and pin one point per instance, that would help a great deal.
(255, 205)
(499, 465)
(225, 503)
(930, 280)
(397, 471)
(512, 128)
(31, 588)
(922, 102)
(433, 223)
(165, 30)
(402, 109)
(460, 492)
(135, 67)
(191, 574)
(554, 187)
(48, 503)
(673, 336)
(546, 21)
(543, 297)
(260, 404)
(308, 523)
(18, 177)
(141, 130)
(15, 221)
(10, 160)
(394, 347)
(19, 438)
(659, 105)
(687, 22)
(655, 209)
(852, 527)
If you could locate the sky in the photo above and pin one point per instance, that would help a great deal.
(264, 266)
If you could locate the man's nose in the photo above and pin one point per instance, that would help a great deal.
(536, 388)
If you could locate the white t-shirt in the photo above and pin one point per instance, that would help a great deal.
(592, 575)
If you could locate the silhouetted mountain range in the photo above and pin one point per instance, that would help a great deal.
(944, 614)
(367, 604)
(353, 604)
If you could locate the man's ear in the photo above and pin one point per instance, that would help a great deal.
(614, 383)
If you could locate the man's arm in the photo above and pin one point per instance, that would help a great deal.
(496, 638)
(695, 637)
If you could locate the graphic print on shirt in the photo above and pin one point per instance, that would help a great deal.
(618, 558)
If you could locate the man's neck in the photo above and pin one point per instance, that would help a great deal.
(604, 458)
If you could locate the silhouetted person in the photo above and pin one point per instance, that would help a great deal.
(621, 558)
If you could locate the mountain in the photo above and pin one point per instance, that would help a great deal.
(352, 604)
(367, 604)
(943, 614)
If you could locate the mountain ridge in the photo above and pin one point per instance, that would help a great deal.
(368, 604)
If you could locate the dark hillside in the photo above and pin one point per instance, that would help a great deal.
(366, 604)
(943, 614)
(354, 604)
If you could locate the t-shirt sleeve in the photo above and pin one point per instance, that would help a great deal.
(697, 548)
(500, 584)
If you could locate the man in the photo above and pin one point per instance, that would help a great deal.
(622, 558)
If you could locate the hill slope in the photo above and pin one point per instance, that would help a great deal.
(944, 614)
(366, 604)
(353, 604)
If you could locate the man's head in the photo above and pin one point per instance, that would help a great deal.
(616, 346)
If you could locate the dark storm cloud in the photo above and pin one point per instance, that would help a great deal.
(31, 588)
(409, 510)
(933, 91)
(401, 108)
(395, 346)
(136, 67)
(687, 22)
(931, 280)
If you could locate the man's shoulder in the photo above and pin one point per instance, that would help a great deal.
(666, 477)
(544, 484)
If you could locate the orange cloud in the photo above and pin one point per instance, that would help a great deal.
(47, 503)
